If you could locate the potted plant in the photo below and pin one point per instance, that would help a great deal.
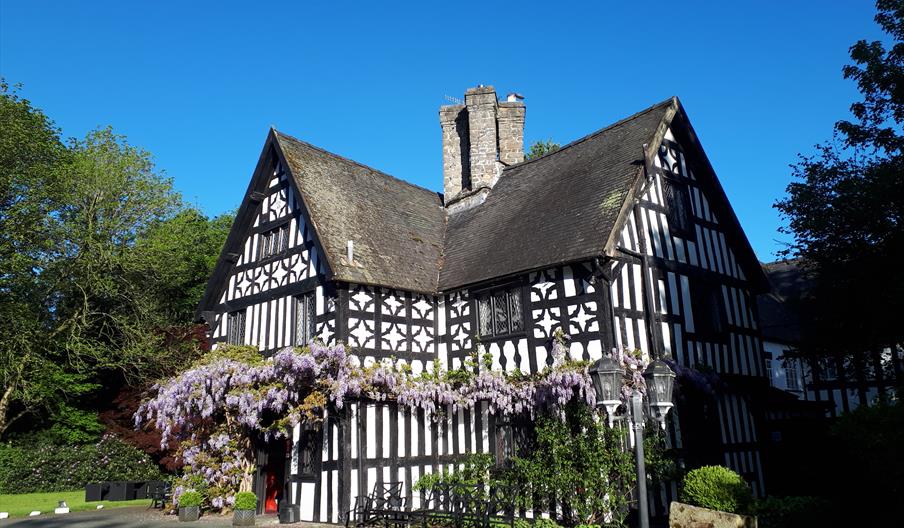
(190, 505)
(245, 508)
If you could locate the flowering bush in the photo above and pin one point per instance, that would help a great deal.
(634, 362)
(46, 466)
(213, 410)
(703, 381)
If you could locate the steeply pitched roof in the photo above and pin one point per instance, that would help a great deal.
(565, 206)
(559, 208)
(396, 227)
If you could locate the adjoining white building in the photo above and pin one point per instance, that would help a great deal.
(831, 379)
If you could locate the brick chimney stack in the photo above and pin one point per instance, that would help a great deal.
(480, 137)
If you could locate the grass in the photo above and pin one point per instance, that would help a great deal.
(22, 504)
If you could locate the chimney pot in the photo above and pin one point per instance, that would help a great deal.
(479, 139)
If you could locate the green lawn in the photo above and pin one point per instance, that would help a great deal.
(22, 505)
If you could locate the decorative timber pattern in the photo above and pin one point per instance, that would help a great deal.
(676, 260)
(674, 288)
(267, 289)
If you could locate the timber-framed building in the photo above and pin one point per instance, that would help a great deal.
(623, 238)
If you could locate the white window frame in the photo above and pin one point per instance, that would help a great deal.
(793, 375)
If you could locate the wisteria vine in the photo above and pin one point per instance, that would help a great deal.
(214, 409)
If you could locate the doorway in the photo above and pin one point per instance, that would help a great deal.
(270, 477)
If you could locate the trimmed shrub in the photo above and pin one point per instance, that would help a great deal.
(716, 488)
(45, 466)
(245, 500)
(190, 498)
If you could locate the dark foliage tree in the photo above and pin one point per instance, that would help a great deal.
(845, 211)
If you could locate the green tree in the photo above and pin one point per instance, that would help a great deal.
(101, 265)
(845, 209)
(541, 148)
(30, 149)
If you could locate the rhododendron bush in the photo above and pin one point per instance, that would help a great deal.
(213, 411)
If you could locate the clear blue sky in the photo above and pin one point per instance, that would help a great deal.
(199, 83)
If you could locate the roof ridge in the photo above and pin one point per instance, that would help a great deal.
(591, 135)
(349, 160)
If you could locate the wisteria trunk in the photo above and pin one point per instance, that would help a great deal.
(247, 476)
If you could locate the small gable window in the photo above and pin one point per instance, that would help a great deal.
(305, 314)
(678, 207)
(273, 242)
(499, 312)
(235, 328)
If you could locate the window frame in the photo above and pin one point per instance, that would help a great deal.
(793, 375)
(241, 315)
(310, 442)
(306, 305)
(512, 290)
(674, 190)
(504, 445)
(708, 325)
(265, 243)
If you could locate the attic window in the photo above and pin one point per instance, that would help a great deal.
(677, 204)
(273, 242)
(499, 312)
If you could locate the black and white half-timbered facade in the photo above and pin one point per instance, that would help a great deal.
(623, 238)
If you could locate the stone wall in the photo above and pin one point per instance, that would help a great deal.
(687, 516)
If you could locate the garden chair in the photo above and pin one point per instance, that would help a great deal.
(160, 494)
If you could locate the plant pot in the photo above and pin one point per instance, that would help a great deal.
(189, 513)
(243, 518)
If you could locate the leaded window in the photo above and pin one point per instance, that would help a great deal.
(274, 242)
(499, 312)
(305, 315)
(235, 328)
(677, 203)
(709, 309)
(308, 447)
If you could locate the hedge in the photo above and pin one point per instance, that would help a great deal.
(44, 466)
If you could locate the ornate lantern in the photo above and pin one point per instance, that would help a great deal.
(607, 376)
(659, 378)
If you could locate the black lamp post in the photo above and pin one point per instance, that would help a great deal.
(607, 376)
(659, 378)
